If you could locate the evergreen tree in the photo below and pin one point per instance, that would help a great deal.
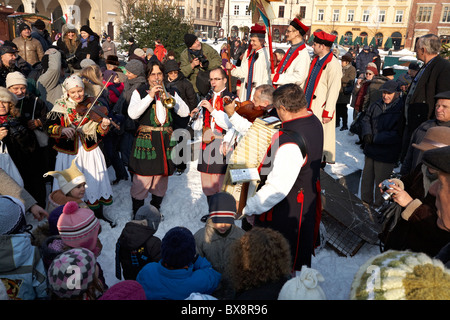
(149, 20)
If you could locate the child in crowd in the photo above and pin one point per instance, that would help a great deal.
(180, 271)
(214, 240)
(114, 86)
(260, 264)
(21, 268)
(125, 290)
(137, 244)
(72, 185)
(61, 273)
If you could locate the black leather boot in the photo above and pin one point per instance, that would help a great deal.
(99, 214)
(136, 205)
(156, 202)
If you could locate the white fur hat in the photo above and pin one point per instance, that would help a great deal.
(303, 287)
(14, 78)
(6, 96)
(69, 178)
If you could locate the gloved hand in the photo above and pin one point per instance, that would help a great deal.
(368, 138)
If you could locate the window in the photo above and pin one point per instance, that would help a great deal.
(381, 15)
(281, 12)
(247, 10)
(204, 13)
(446, 14)
(198, 13)
(181, 11)
(424, 14)
(320, 13)
(350, 15)
(236, 10)
(366, 15)
(336, 15)
(210, 14)
(399, 16)
(302, 11)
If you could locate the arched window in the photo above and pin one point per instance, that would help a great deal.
(379, 39)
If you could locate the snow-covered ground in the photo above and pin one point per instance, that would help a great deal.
(184, 205)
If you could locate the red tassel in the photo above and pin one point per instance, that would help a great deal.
(300, 196)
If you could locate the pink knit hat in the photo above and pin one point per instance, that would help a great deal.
(125, 290)
(78, 227)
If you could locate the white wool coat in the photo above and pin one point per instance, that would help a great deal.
(261, 72)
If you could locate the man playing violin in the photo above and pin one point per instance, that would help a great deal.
(151, 157)
(214, 124)
(77, 135)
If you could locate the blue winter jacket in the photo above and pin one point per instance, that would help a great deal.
(161, 283)
(385, 124)
(21, 268)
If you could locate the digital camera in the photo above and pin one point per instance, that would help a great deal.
(386, 185)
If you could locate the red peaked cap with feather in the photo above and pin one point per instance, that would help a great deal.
(324, 38)
(258, 31)
(297, 24)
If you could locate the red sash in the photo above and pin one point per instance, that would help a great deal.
(288, 63)
(313, 63)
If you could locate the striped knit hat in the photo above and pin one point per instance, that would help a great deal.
(401, 275)
(222, 208)
(71, 273)
(78, 227)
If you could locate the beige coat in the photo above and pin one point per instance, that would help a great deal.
(261, 72)
(30, 49)
(325, 97)
(215, 248)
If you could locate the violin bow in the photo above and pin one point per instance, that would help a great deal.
(93, 104)
(229, 60)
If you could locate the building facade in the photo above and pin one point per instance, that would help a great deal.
(100, 15)
(428, 16)
(377, 19)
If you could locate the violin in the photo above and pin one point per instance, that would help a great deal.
(96, 111)
(246, 109)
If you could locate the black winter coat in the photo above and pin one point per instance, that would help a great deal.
(435, 79)
(93, 49)
(385, 124)
(139, 238)
(186, 91)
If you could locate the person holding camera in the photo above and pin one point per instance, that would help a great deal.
(32, 114)
(416, 228)
(381, 132)
(196, 61)
(21, 144)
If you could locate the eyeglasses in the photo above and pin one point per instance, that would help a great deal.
(217, 79)
(289, 31)
(369, 74)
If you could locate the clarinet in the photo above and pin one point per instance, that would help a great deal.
(200, 108)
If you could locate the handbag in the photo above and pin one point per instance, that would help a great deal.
(41, 136)
(8, 165)
(356, 126)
